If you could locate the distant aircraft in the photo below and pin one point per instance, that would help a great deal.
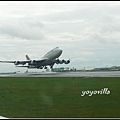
(48, 59)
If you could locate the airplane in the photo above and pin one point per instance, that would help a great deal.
(49, 59)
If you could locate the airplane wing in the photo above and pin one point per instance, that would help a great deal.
(34, 64)
(8, 61)
(27, 66)
(38, 61)
(23, 66)
(25, 61)
(17, 62)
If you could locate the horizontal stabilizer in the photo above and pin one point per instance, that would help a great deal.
(27, 66)
(22, 66)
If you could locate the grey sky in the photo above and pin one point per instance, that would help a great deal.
(88, 32)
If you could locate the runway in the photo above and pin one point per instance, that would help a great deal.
(65, 74)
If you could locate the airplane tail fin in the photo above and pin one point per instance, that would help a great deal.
(27, 57)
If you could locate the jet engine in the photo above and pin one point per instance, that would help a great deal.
(62, 61)
(57, 61)
(67, 62)
(40, 67)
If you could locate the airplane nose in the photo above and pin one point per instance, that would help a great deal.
(60, 52)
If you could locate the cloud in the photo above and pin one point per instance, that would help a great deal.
(87, 53)
(22, 28)
(85, 31)
(80, 59)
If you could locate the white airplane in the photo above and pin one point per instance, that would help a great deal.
(48, 59)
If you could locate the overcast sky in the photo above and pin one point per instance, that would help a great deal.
(87, 32)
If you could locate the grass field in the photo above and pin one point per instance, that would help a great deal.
(58, 97)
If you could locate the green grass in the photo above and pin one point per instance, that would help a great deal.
(58, 97)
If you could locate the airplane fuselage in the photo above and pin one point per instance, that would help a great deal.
(50, 57)
(53, 54)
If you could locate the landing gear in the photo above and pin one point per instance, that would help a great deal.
(45, 67)
(51, 66)
(39, 67)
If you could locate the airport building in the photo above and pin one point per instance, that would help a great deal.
(113, 68)
(62, 69)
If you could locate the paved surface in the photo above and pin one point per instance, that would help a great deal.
(65, 74)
